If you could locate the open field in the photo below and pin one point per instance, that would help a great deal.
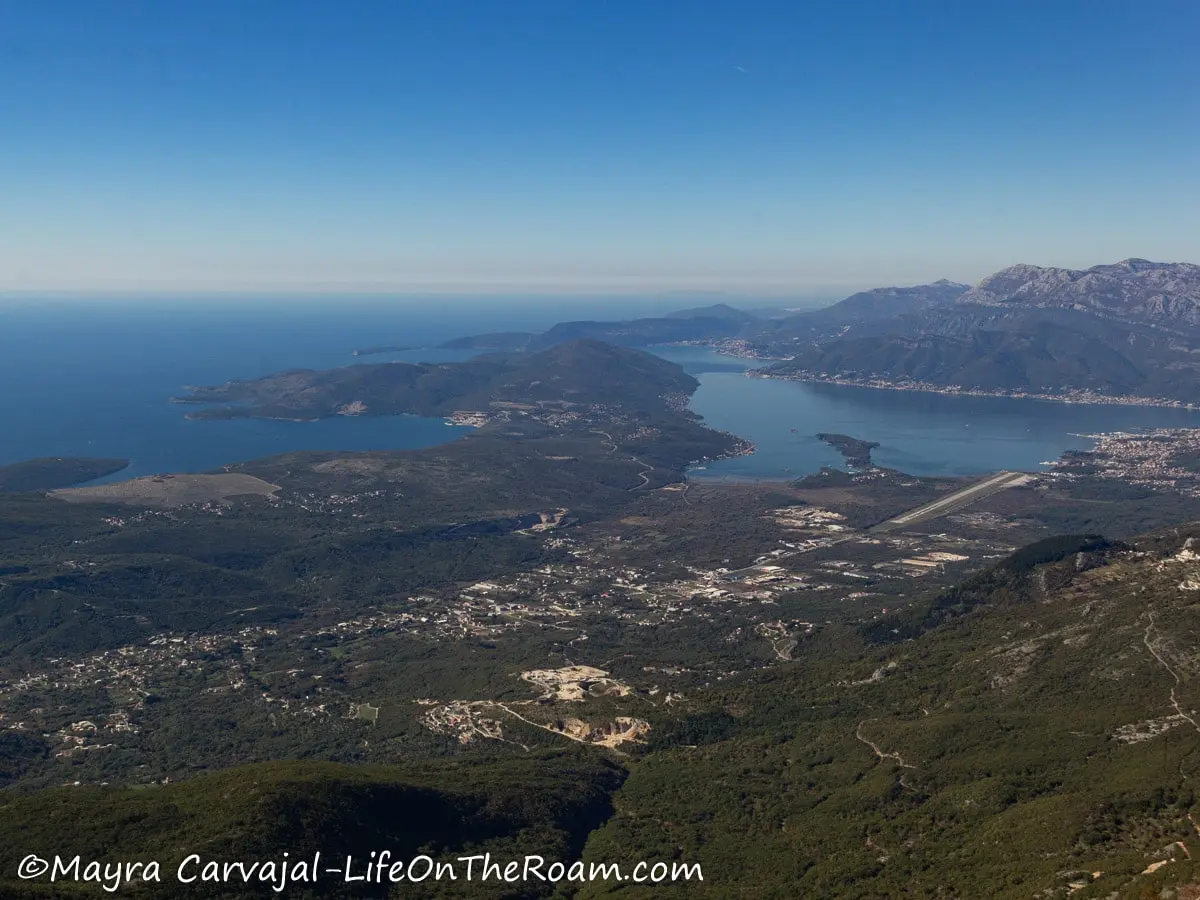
(170, 490)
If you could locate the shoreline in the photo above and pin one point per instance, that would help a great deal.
(1086, 399)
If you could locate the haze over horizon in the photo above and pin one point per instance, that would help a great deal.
(766, 150)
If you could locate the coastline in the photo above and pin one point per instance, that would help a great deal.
(1083, 398)
(737, 350)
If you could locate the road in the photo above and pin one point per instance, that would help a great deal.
(646, 467)
(958, 499)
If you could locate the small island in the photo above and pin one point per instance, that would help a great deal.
(54, 472)
(507, 341)
(383, 348)
(856, 453)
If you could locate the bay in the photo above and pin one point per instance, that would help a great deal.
(95, 379)
(919, 433)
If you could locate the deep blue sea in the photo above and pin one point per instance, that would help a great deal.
(94, 378)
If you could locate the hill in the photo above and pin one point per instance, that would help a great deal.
(514, 341)
(644, 332)
(542, 805)
(575, 372)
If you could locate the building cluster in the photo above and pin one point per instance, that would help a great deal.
(1163, 459)
(111, 689)
(812, 563)
(856, 379)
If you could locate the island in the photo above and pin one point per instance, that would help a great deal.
(857, 453)
(54, 472)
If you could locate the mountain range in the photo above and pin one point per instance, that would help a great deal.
(1127, 329)
(1121, 330)
(1162, 295)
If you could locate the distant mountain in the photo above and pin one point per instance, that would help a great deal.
(874, 306)
(719, 311)
(1164, 295)
(643, 332)
(717, 322)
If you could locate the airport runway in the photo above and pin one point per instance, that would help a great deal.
(958, 499)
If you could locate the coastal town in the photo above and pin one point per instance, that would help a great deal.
(1067, 395)
(1163, 459)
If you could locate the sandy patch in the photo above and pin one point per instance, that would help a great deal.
(170, 490)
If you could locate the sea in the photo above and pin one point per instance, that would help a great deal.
(95, 377)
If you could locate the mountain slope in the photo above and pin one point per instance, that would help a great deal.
(1041, 739)
(1046, 360)
(872, 307)
(536, 805)
(1032, 731)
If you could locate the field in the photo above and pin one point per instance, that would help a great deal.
(171, 490)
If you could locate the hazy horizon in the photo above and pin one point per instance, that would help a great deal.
(767, 299)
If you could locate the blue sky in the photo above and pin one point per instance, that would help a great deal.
(757, 147)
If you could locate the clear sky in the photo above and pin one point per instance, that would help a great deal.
(575, 146)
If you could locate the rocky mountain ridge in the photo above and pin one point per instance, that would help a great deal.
(1156, 293)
